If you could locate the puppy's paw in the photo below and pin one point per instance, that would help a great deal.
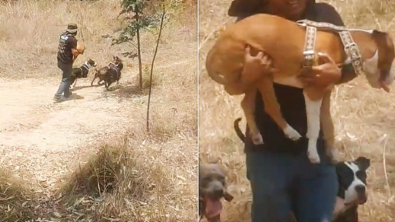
(257, 139)
(313, 157)
(333, 155)
(312, 152)
(291, 133)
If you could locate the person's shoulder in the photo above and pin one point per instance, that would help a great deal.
(72, 39)
(328, 13)
(243, 8)
(325, 6)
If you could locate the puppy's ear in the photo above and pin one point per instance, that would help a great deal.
(363, 163)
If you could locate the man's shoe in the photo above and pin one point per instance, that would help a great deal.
(69, 95)
(57, 99)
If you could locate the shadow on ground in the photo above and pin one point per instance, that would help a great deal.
(127, 91)
(83, 87)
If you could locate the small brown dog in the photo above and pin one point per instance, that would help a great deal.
(113, 74)
(212, 187)
(372, 53)
(100, 74)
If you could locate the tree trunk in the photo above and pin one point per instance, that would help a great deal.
(152, 65)
(139, 54)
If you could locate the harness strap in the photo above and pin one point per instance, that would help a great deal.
(324, 26)
(110, 64)
(115, 67)
(350, 48)
(309, 46)
(85, 66)
(352, 51)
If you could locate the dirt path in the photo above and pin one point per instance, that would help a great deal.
(39, 139)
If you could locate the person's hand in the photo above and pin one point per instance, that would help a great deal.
(324, 74)
(256, 66)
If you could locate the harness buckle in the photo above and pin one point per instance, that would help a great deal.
(353, 52)
(354, 56)
(308, 58)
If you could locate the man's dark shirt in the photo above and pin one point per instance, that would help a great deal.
(66, 43)
(292, 103)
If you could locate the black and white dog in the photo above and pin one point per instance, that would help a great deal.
(352, 185)
(81, 72)
(352, 189)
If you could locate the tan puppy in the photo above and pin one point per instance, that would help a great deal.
(284, 42)
(80, 47)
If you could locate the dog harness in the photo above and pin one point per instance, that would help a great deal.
(114, 66)
(86, 66)
(350, 48)
(109, 65)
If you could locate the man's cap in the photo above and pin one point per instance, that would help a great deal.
(72, 28)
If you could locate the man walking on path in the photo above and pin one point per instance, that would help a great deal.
(67, 53)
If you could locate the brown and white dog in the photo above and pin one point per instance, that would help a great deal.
(369, 51)
(212, 187)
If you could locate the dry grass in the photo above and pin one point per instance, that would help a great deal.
(363, 116)
(139, 176)
(120, 183)
(16, 200)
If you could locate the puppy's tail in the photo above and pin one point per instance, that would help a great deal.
(238, 130)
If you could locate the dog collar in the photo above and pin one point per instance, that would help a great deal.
(350, 48)
(86, 66)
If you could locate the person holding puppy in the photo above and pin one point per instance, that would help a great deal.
(281, 176)
(67, 53)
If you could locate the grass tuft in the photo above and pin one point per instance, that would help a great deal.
(17, 202)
